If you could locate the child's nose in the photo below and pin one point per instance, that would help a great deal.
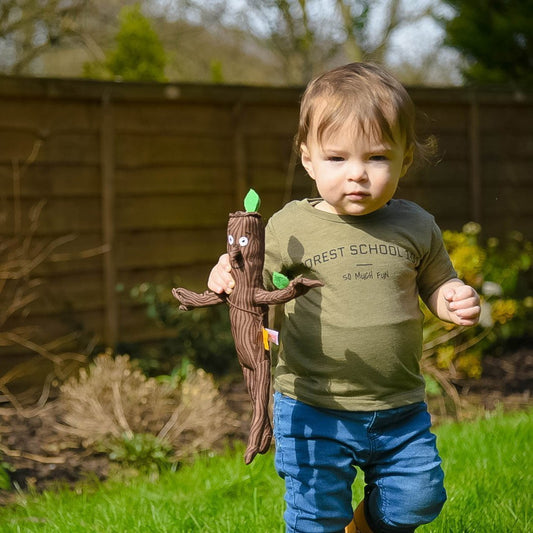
(357, 171)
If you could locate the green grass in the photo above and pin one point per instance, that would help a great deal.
(488, 477)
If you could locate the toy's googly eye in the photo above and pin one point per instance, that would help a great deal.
(243, 241)
(231, 240)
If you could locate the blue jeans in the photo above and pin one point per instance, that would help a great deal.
(317, 450)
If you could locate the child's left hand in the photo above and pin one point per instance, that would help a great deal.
(462, 304)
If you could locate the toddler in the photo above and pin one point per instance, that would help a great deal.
(348, 386)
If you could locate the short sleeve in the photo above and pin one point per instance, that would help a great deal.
(273, 261)
(436, 268)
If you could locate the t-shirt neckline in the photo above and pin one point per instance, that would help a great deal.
(309, 204)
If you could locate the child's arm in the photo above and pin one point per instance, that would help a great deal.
(220, 279)
(456, 302)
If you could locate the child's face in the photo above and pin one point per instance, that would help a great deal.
(354, 175)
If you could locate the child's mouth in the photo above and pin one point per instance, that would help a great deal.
(356, 196)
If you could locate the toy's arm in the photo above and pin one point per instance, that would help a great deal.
(296, 287)
(189, 299)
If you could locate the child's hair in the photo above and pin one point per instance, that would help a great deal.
(365, 94)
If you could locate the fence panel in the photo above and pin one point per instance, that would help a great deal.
(143, 176)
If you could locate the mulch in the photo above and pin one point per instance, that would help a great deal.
(506, 381)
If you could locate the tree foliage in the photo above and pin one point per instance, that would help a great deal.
(280, 42)
(495, 39)
(138, 54)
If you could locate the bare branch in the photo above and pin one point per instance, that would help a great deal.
(31, 28)
(349, 25)
(32, 456)
(20, 256)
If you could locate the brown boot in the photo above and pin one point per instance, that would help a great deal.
(359, 520)
(359, 523)
(350, 528)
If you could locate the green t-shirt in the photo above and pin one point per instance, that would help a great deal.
(355, 343)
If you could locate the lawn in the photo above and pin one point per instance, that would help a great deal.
(488, 477)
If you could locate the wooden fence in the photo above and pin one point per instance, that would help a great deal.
(143, 176)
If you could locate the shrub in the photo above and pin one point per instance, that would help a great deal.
(138, 54)
(202, 336)
(143, 451)
(499, 272)
(113, 406)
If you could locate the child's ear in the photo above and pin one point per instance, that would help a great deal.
(407, 160)
(306, 160)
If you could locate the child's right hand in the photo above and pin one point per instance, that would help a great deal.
(220, 279)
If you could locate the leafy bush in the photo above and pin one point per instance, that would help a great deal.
(143, 451)
(113, 407)
(202, 336)
(138, 54)
(500, 272)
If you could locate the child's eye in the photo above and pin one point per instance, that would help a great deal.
(378, 157)
(335, 158)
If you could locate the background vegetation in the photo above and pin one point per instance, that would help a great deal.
(269, 41)
(496, 42)
(500, 270)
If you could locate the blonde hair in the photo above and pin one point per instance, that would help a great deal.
(362, 93)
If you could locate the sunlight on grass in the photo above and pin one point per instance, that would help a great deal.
(488, 477)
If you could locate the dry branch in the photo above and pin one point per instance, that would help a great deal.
(32, 456)
(20, 287)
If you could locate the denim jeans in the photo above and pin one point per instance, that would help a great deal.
(317, 450)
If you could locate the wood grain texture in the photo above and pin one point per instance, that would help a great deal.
(248, 312)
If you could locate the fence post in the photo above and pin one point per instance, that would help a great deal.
(239, 151)
(107, 165)
(475, 159)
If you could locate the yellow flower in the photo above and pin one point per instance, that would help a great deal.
(445, 356)
(504, 310)
(468, 261)
(453, 239)
(470, 364)
(493, 242)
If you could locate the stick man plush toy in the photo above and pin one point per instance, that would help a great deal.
(248, 310)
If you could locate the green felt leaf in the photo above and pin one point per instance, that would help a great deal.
(279, 280)
(252, 201)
